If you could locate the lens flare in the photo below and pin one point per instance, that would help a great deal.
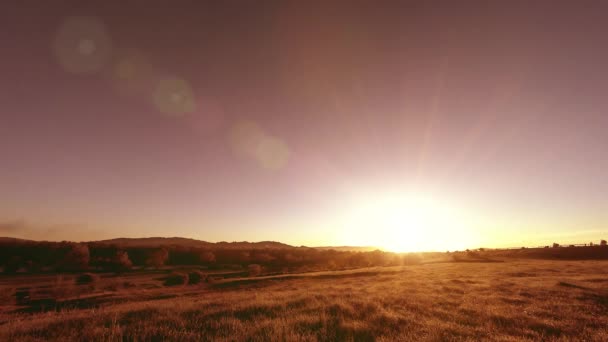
(82, 45)
(245, 136)
(248, 140)
(272, 153)
(174, 97)
(132, 73)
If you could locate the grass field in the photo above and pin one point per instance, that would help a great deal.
(453, 301)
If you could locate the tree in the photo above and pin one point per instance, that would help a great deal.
(603, 243)
(291, 259)
(157, 257)
(206, 257)
(555, 245)
(263, 257)
(244, 257)
(77, 257)
(118, 262)
(13, 265)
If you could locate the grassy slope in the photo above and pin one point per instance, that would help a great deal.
(517, 300)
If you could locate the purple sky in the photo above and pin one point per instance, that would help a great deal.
(497, 109)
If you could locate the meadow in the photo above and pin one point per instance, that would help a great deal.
(511, 300)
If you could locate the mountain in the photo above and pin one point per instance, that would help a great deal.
(348, 248)
(186, 242)
(13, 240)
(155, 241)
(179, 241)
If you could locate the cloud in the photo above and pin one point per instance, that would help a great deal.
(54, 232)
(12, 227)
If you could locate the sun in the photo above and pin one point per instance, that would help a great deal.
(407, 223)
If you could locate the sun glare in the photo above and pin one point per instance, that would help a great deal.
(407, 223)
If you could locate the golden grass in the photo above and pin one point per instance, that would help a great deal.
(511, 301)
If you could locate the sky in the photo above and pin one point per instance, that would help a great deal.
(408, 125)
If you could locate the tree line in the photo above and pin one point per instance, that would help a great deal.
(28, 256)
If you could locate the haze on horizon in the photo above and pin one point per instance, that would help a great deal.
(410, 126)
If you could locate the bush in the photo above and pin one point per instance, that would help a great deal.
(195, 277)
(86, 278)
(176, 279)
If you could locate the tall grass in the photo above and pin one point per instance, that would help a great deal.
(512, 301)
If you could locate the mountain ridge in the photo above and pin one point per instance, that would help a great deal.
(157, 241)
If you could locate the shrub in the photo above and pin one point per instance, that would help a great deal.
(176, 279)
(86, 278)
(195, 277)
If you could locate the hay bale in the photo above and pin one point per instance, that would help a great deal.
(196, 277)
(175, 278)
(86, 278)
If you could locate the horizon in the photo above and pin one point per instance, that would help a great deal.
(594, 242)
(409, 126)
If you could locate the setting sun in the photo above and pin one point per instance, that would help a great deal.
(406, 223)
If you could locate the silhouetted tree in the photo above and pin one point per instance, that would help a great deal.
(206, 257)
(13, 265)
(122, 261)
(77, 258)
(262, 257)
(603, 243)
(157, 257)
(244, 257)
(112, 259)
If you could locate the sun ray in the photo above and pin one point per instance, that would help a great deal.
(432, 118)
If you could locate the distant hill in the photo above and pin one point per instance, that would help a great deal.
(156, 241)
(348, 248)
(563, 253)
(13, 240)
(186, 242)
